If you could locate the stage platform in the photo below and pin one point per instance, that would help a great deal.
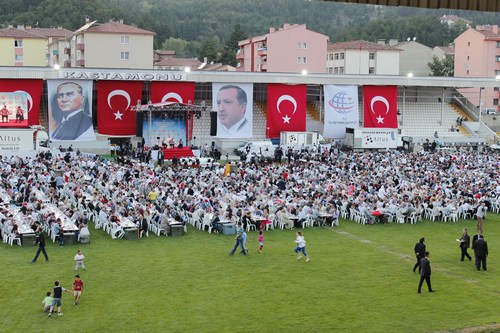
(169, 153)
(13, 124)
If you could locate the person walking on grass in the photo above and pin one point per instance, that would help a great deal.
(419, 250)
(40, 240)
(261, 241)
(239, 241)
(425, 273)
(464, 245)
(77, 289)
(79, 260)
(301, 246)
(58, 290)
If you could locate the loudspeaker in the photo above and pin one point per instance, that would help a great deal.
(213, 123)
(139, 123)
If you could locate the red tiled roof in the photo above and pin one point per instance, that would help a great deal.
(50, 32)
(117, 27)
(165, 52)
(219, 67)
(178, 62)
(447, 49)
(359, 45)
(18, 33)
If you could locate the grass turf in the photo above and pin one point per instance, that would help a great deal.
(359, 279)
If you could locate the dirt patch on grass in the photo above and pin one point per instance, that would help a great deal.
(492, 328)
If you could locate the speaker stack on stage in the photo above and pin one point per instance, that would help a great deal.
(213, 123)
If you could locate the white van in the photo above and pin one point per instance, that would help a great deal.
(264, 147)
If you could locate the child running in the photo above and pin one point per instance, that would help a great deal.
(301, 246)
(77, 289)
(79, 260)
(261, 240)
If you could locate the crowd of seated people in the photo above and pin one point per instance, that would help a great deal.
(291, 195)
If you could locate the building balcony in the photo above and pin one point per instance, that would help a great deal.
(80, 63)
(55, 52)
(80, 46)
(262, 51)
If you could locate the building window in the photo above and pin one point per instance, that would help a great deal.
(336, 70)
(498, 44)
(496, 89)
(301, 60)
(342, 56)
(341, 70)
(372, 55)
(468, 58)
(497, 73)
(336, 56)
(371, 70)
(18, 43)
(495, 101)
(18, 58)
(330, 56)
(468, 43)
(467, 72)
(498, 58)
(330, 70)
(124, 39)
(124, 55)
(302, 45)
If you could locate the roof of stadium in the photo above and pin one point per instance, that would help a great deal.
(477, 5)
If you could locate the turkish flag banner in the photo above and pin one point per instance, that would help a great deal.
(286, 108)
(114, 102)
(181, 92)
(380, 106)
(33, 89)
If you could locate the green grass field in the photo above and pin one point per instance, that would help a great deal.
(359, 279)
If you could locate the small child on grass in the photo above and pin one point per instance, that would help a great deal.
(261, 240)
(47, 302)
(79, 260)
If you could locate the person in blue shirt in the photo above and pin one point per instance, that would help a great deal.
(240, 240)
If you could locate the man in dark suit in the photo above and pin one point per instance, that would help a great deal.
(464, 245)
(480, 248)
(425, 273)
(76, 122)
(419, 252)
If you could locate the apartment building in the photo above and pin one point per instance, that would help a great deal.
(22, 48)
(107, 45)
(477, 54)
(362, 57)
(290, 49)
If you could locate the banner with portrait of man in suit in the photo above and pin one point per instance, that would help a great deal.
(234, 106)
(70, 110)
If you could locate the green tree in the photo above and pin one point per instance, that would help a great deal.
(228, 56)
(179, 45)
(442, 67)
(210, 49)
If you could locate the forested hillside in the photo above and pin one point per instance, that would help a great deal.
(192, 25)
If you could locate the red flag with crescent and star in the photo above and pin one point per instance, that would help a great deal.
(380, 106)
(181, 92)
(286, 108)
(33, 88)
(114, 104)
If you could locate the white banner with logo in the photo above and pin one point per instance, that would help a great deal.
(379, 138)
(341, 110)
(17, 139)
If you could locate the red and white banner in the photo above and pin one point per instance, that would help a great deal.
(33, 88)
(286, 108)
(182, 92)
(380, 106)
(114, 102)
